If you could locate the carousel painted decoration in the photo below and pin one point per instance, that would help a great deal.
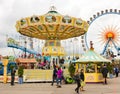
(52, 27)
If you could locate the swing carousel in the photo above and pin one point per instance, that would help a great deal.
(52, 27)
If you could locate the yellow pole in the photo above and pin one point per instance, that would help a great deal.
(5, 62)
(84, 68)
(76, 66)
(95, 68)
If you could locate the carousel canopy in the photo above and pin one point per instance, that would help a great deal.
(51, 26)
(92, 56)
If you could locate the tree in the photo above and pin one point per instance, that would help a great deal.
(71, 70)
(110, 68)
(20, 74)
(20, 71)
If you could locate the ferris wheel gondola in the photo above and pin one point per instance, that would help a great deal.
(104, 31)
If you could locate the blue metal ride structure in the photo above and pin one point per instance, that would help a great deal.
(106, 45)
(23, 48)
(13, 44)
(8, 67)
(92, 19)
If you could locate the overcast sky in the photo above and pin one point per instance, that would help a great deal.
(13, 10)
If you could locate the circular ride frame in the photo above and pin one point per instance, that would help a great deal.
(92, 19)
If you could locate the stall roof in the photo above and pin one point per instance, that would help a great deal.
(26, 60)
(92, 56)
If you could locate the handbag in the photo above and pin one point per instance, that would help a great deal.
(83, 83)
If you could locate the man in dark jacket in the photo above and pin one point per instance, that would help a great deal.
(54, 77)
(12, 76)
(117, 71)
(82, 76)
(77, 79)
(104, 73)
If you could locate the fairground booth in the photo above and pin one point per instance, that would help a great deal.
(27, 63)
(92, 63)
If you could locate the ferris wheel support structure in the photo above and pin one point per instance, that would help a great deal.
(105, 47)
(90, 22)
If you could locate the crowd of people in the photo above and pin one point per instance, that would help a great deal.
(113, 70)
(57, 75)
(79, 77)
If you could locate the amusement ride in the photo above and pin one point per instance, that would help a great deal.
(52, 27)
(25, 45)
(105, 33)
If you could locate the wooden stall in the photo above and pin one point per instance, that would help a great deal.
(92, 63)
(27, 63)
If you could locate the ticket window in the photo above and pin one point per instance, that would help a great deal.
(99, 67)
(90, 68)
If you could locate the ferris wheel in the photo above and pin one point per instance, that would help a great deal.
(104, 32)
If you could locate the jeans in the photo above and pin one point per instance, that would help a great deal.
(20, 80)
(59, 81)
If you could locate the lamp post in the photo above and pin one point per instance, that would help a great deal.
(25, 47)
(75, 45)
(73, 49)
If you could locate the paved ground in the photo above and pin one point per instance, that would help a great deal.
(113, 87)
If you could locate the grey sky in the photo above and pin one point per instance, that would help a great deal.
(13, 10)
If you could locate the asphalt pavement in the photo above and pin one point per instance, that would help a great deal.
(113, 87)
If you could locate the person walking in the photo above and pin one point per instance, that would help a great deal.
(104, 73)
(13, 71)
(61, 62)
(59, 77)
(77, 79)
(82, 80)
(54, 77)
(116, 71)
(20, 74)
(63, 78)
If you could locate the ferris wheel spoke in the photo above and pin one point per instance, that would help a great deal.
(103, 30)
